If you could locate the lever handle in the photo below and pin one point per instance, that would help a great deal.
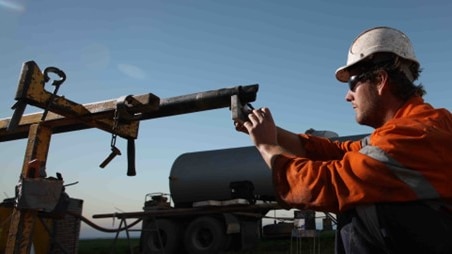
(114, 152)
(131, 171)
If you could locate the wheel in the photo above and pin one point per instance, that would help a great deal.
(170, 235)
(205, 235)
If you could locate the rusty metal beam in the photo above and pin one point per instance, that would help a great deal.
(99, 115)
(31, 91)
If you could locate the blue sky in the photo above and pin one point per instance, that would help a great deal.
(109, 49)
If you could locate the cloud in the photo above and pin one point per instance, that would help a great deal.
(10, 5)
(132, 71)
(95, 56)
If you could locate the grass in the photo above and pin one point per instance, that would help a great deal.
(105, 246)
(265, 246)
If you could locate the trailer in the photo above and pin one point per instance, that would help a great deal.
(217, 201)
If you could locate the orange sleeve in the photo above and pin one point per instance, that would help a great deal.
(346, 178)
(319, 148)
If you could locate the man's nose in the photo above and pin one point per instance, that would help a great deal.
(349, 96)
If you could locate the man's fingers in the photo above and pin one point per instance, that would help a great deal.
(255, 117)
(239, 126)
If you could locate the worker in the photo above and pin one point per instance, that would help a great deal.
(391, 191)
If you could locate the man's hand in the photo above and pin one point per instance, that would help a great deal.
(261, 127)
(268, 138)
(263, 133)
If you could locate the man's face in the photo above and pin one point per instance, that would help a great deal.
(366, 101)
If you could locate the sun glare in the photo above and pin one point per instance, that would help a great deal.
(10, 5)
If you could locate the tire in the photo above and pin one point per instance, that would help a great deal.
(205, 235)
(170, 234)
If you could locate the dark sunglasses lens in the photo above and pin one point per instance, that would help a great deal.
(352, 82)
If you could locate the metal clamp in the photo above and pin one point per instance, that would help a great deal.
(56, 83)
(240, 110)
(20, 105)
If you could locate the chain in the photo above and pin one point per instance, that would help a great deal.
(114, 151)
(115, 126)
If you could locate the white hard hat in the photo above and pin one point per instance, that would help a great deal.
(377, 40)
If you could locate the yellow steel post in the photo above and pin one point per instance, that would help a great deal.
(23, 220)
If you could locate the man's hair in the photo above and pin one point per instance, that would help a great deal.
(401, 86)
(401, 72)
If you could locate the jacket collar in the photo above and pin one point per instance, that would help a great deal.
(411, 106)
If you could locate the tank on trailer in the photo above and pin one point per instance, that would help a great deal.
(220, 175)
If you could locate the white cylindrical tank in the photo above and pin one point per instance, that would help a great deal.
(207, 175)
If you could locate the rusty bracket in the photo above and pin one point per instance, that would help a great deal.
(131, 109)
(240, 108)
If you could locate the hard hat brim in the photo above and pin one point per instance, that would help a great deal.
(343, 73)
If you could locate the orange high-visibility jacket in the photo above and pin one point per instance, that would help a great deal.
(408, 158)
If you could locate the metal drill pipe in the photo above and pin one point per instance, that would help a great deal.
(202, 101)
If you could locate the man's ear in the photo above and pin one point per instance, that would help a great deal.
(382, 82)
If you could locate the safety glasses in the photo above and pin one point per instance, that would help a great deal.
(354, 80)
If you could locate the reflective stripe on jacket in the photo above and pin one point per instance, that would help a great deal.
(408, 158)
